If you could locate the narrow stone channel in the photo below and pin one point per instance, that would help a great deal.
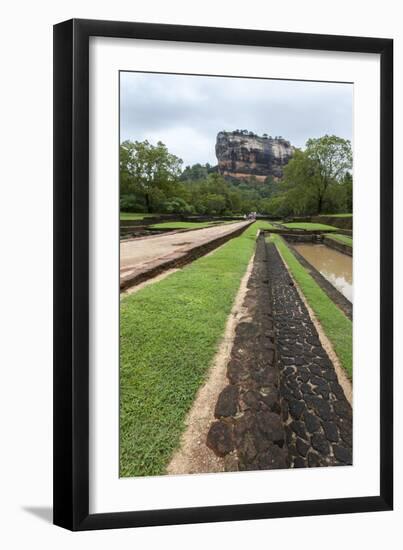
(249, 431)
(316, 413)
(283, 406)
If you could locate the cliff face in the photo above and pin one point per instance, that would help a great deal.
(244, 154)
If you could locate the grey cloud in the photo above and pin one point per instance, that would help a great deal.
(186, 112)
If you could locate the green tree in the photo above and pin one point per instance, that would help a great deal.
(147, 170)
(196, 172)
(347, 187)
(333, 158)
(176, 205)
(311, 173)
(276, 206)
(214, 203)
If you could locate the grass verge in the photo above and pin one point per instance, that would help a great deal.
(262, 224)
(169, 334)
(180, 225)
(338, 328)
(337, 215)
(308, 226)
(344, 239)
(135, 215)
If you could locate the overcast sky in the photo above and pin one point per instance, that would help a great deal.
(186, 112)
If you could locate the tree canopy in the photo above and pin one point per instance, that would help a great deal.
(315, 180)
(147, 170)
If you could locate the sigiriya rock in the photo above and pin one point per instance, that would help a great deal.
(242, 154)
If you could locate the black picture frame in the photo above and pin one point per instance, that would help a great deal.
(71, 274)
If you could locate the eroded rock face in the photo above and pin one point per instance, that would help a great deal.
(242, 155)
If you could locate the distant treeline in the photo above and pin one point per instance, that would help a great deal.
(317, 179)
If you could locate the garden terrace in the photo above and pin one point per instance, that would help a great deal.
(151, 225)
(341, 221)
(170, 332)
(144, 258)
(285, 399)
(308, 226)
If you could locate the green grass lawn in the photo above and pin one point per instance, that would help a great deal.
(310, 226)
(169, 334)
(136, 215)
(263, 224)
(337, 215)
(344, 239)
(180, 225)
(336, 325)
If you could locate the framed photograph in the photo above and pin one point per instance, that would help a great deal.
(208, 186)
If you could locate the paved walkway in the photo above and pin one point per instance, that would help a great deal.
(140, 255)
(249, 431)
(316, 413)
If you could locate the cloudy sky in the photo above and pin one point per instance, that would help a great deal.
(186, 112)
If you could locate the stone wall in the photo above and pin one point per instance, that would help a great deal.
(341, 222)
(340, 247)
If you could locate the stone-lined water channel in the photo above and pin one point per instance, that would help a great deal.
(335, 266)
(283, 406)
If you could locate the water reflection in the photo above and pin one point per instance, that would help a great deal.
(336, 267)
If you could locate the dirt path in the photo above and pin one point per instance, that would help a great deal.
(137, 252)
(146, 256)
